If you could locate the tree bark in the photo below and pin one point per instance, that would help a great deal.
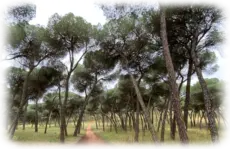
(172, 78)
(207, 97)
(187, 98)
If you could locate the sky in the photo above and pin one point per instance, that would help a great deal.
(93, 14)
(86, 9)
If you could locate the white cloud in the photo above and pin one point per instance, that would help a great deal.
(86, 9)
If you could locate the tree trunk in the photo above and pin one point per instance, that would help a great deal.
(163, 121)
(63, 110)
(114, 121)
(172, 79)
(159, 122)
(23, 101)
(95, 118)
(130, 122)
(194, 119)
(36, 116)
(24, 118)
(122, 121)
(83, 123)
(171, 118)
(201, 118)
(173, 131)
(152, 115)
(146, 113)
(136, 137)
(111, 123)
(206, 94)
(126, 121)
(103, 122)
(142, 124)
(47, 121)
(65, 128)
(187, 98)
(78, 126)
(190, 116)
(70, 115)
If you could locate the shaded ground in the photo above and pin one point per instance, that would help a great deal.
(90, 141)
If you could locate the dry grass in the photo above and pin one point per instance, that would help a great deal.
(28, 139)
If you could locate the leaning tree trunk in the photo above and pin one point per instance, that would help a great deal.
(207, 97)
(172, 79)
(47, 121)
(23, 101)
(36, 116)
(187, 98)
(146, 112)
(78, 126)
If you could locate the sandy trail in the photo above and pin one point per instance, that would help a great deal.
(90, 141)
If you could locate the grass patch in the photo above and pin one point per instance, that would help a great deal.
(52, 135)
(195, 134)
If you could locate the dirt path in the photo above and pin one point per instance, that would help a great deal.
(90, 141)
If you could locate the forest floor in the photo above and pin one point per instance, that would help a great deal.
(28, 139)
(92, 133)
(90, 141)
(198, 138)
